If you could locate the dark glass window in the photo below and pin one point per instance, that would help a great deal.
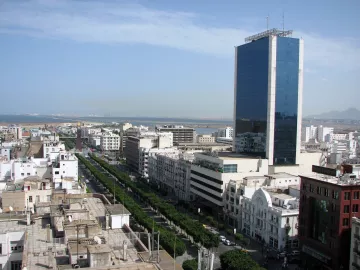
(286, 100)
(346, 208)
(252, 65)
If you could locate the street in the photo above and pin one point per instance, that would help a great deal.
(254, 248)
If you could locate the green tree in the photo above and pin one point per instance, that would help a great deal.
(190, 265)
(238, 260)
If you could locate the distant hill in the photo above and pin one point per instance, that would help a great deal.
(349, 114)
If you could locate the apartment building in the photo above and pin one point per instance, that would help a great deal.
(171, 172)
(181, 134)
(145, 140)
(109, 141)
(328, 204)
(227, 132)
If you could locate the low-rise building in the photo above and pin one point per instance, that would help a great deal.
(227, 132)
(271, 218)
(205, 139)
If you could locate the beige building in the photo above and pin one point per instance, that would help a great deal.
(205, 139)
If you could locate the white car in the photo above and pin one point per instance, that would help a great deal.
(87, 181)
(222, 238)
(227, 243)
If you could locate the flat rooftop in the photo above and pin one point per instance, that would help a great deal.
(117, 209)
(281, 175)
(331, 179)
(229, 155)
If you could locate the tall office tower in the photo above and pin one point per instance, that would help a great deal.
(268, 97)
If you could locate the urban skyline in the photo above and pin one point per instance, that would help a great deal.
(113, 42)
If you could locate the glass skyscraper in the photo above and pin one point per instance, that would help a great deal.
(268, 97)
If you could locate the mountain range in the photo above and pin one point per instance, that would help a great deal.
(349, 114)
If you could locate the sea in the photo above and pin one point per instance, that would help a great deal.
(207, 125)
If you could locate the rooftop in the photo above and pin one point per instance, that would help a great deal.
(281, 175)
(117, 209)
(344, 180)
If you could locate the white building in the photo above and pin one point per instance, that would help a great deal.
(145, 140)
(227, 132)
(110, 142)
(11, 244)
(309, 133)
(236, 190)
(172, 172)
(146, 153)
(16, 130)
(324, 133)
(211, 172)
(272, 218)
(5, 152)
(338, 136)
(95, 140)
(205, 139)
(355, 244)
(51, 149)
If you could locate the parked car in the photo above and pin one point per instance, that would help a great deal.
(295, 253)
(222, 238)
(281, 255)
(227, 243)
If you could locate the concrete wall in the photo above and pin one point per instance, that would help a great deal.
(118, 221)
(15, 199)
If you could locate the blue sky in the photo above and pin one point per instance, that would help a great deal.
(164, 58)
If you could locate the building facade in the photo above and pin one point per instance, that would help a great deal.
(354, 263)
(181, 134)
(205, 139)
(110, 142)
(268, 97)
(227, 132)
(172, 172)
(271, 218)
(327, 205)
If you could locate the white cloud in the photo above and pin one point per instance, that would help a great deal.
(115, 22)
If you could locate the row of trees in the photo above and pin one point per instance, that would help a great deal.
(190, 226)
(231, 260)
(238, 260)
(69, 143)
(168, 240)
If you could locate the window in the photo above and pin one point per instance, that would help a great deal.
(335, 194)
(333, 207)
(332, 218)
(0, 249)
(318, 190)
(346, 208)
(355, 208)
(28, 173)
(304, 187)
(57, 172)
(30, 198)
(287, 220)
(356, 195)
(347, 196)
(22, 174)
(237, 201)
(326, 192)
(311, 188)
(345, 222)
(230, 168)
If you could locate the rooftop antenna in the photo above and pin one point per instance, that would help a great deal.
(267, 22)
(283, 21)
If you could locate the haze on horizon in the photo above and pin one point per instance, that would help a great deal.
(163, 58)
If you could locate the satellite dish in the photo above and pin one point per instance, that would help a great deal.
(11, 209)
(97, 239)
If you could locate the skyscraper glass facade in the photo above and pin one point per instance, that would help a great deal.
(252, 99)
(286, 100)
